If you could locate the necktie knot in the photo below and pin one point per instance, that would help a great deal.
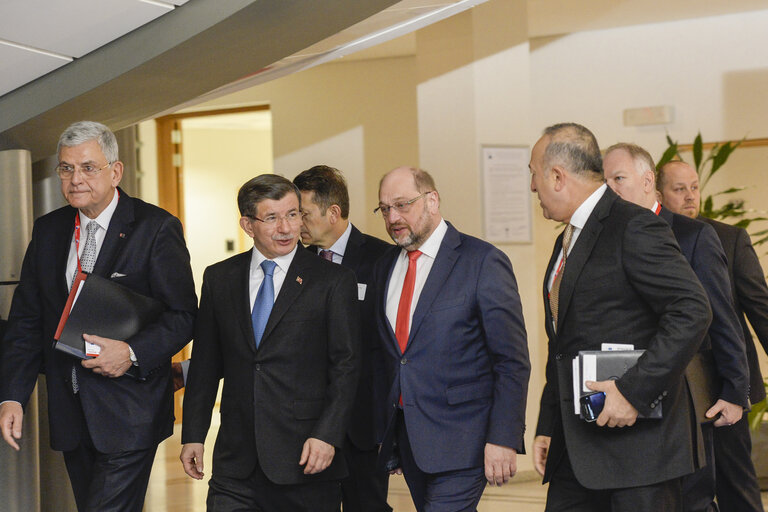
(268, 266)
(413, 256)
(326, 254)
(567, 235)
(91, 228)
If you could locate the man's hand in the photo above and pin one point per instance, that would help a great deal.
(729, 413)
(500, 464)
(617, 412)
(317, 455)
(540, 452)
(113, 360)
(11, 417)
(192, 459)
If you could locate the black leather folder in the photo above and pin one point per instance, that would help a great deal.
(103, 308)
(612, 364)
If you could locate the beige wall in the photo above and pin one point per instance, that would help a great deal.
(477, 79)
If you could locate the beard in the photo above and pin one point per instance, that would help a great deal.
(413, 238)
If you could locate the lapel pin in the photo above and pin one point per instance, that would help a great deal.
(299, 280)
(122, 235)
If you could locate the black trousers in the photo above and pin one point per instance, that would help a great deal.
(737, 486)
(567, 494)
(365, 488)
(108, 482)
(257, 493)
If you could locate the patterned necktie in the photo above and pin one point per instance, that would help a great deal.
(265, 299)
(327, 255)
(554, 293)
(402, 324)
(87, 261)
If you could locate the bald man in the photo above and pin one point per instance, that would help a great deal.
(629, 171)
(737, 487)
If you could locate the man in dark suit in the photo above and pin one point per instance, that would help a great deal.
(623, 280)
(737, 486)
(455, 352)
(280, 326)
(327, 231)
(721, 364)
(108, 425)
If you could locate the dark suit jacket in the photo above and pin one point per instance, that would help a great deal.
(361, 253)
(144, 243)
(464, 373)
(725, 341)
(301, 381)
(625, 281)
(750, 295)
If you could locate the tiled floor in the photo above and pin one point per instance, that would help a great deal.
(171, 490)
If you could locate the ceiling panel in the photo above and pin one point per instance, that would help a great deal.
(18, 66)
(74, 27)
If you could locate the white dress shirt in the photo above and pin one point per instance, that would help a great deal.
(423, 265)
(578, 220)
(339, 245)
(103, 221)
(256, 275)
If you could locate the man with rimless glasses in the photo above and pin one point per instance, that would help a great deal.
(107, 424)
(456, 366)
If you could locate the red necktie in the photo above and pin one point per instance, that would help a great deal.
(402, 325)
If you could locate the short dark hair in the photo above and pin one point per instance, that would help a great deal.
(574, 147)
(328, 185)
(264, 186)
(661, 170)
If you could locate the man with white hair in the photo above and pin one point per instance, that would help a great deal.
(107, 424)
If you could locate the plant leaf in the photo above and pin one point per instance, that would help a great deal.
(697, 151)
(668, 155)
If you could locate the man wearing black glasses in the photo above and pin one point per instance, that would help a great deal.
(455, 352)
(108, 425)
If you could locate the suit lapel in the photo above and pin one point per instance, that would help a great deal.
(240, 277)
(581, 251)
(438, 276)
(353, 252)
(384, 290)
(120, 227)
(61, 247)
(291, 288)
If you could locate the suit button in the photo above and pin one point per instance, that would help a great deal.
(404, 360)
(258, 367)
(664, 393)
(653, 406)
(558, 356)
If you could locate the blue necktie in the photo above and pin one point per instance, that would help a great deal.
(265, 299)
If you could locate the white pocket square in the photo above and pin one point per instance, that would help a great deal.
(116, 274)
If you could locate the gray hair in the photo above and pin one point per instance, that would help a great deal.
(84, 131)
(575, 148)
(640, 157)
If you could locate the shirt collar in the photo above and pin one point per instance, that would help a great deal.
(105, 216)
(282, 261)
(582, 213)
(432, 244)
(340, 244)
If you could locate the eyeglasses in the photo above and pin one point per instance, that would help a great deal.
(399, 207)
(274, 219)
(66, 171)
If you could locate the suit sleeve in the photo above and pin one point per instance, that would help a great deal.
(171, 282)
(343, 324)
(751, 289)
(504, 328)
(21, 353)
(728, 346)
(661, 275)
(205, 370)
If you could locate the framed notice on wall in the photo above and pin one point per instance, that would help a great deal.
(506, 194)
